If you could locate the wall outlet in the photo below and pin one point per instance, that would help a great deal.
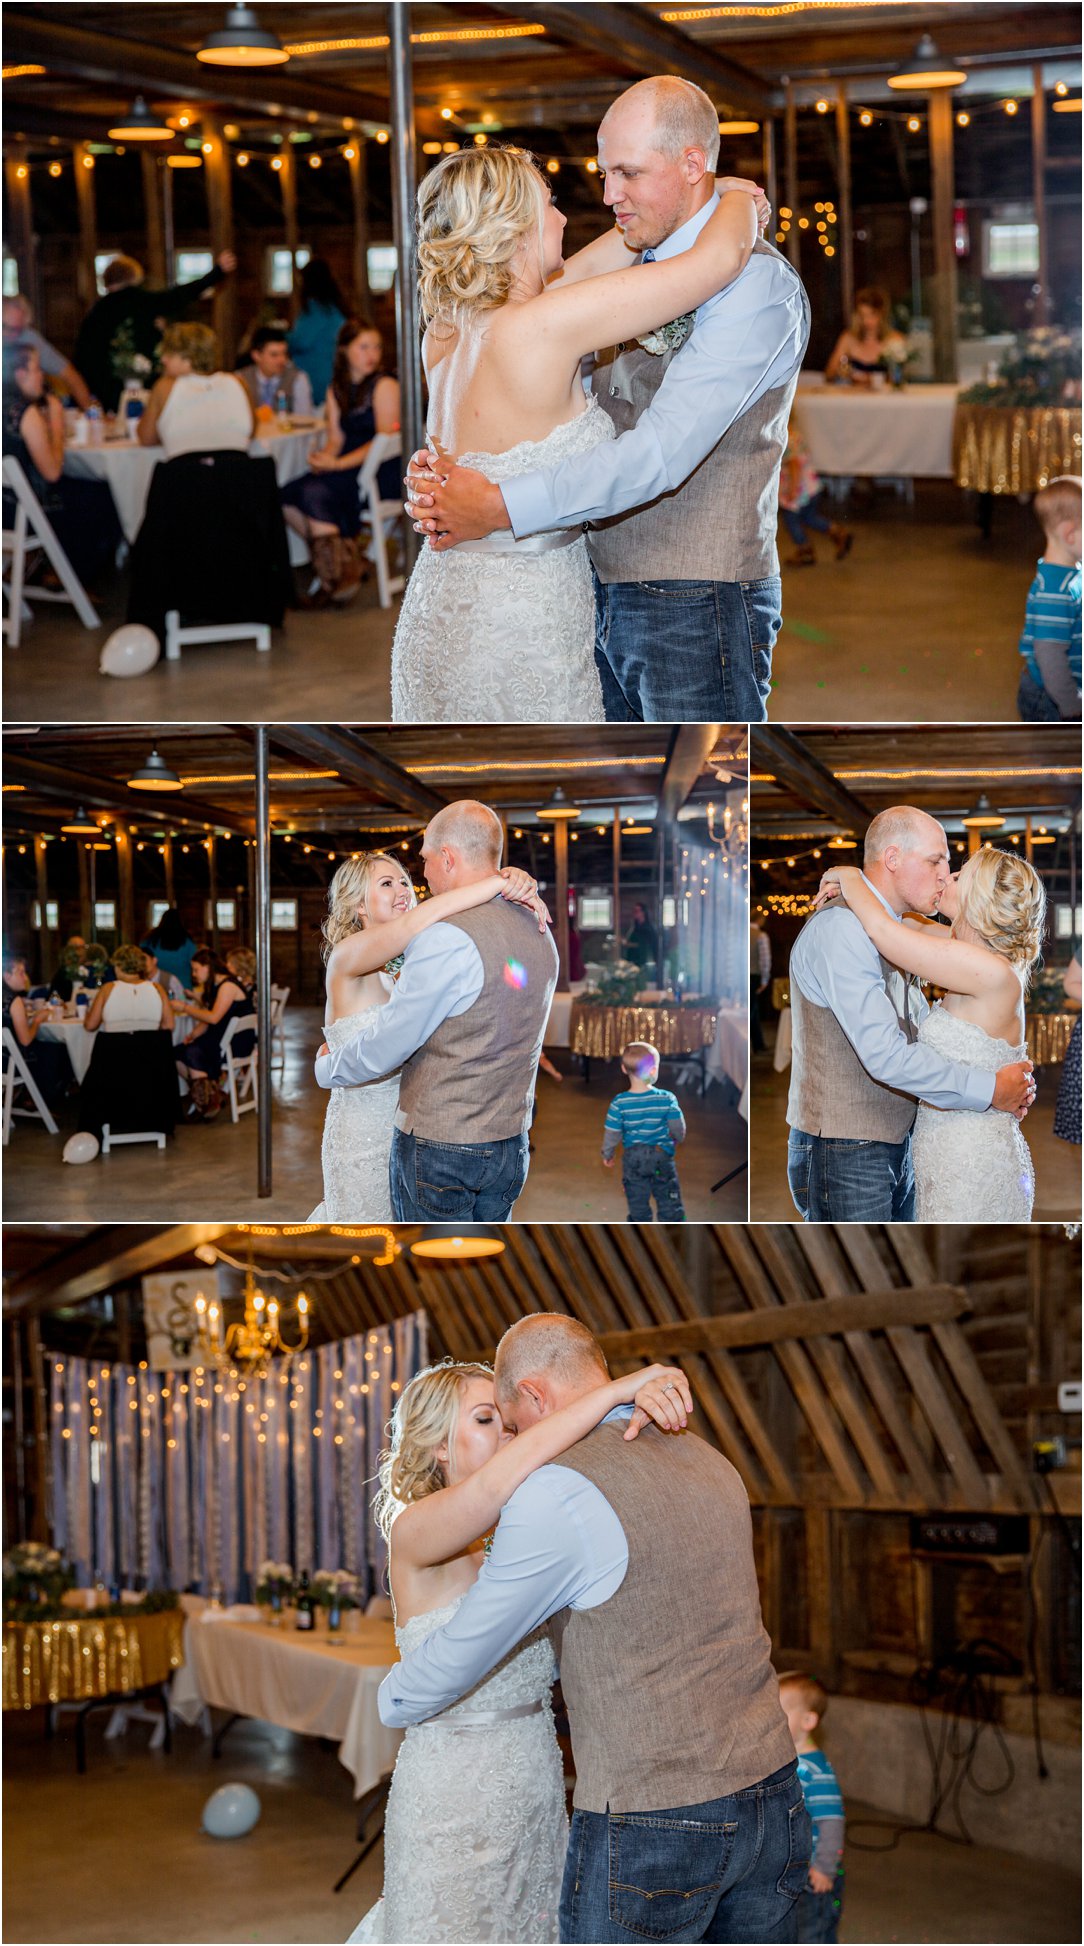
(1069, 1396)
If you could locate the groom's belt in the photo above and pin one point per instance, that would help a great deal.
(505, 542)
(485, 1719)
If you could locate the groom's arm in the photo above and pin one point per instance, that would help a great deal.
(847, 980)
(442, 975)
(558, 1544)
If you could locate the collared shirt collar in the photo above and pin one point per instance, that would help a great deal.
(880, 895)
(683, 239)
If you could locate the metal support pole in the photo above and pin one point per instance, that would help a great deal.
(616, 855)
(1041, 314)
(403, 191)
(212, 888)
(660, 898)
(845, 226)
(790, 138)
(560, 917)
(86, 911)
(263, 964)
(770, 171)
(45, 933)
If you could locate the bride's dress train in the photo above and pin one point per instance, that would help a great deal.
(970, 1167)
(356, 1149)
(476, 1832)
(500, 630)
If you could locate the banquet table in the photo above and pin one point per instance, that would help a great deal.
(88, 1658)
(1048, 1036)
(126, 466)
(80, 1044)
(600, 1032)
(880, 433)
(727, 1058)
(316, 1684)
(1000, 449)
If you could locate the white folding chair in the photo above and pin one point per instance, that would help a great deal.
(242, 1077)
(16, 1071)
(33, 530)
(177, 637)
(386, 445)
(279, 998)
(111, 1141)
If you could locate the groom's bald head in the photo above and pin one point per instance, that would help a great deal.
(462, 843)
(543, 1362)
(902, 828)
(906, 857)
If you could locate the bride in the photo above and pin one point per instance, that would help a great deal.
(476, 1830)
(503, 630)
(967, 1165)
(373, 915)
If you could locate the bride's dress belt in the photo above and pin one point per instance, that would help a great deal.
(485, 1719)
(505, 542)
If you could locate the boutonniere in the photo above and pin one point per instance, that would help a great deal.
(668, 337)
(395, 966)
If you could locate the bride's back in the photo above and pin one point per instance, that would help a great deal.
(486, 393)
(999, 1011)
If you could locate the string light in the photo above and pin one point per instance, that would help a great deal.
(963, 119)
(1012, 107)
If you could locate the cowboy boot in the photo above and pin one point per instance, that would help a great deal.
(350, 571)
(842, 540)
(327, 561)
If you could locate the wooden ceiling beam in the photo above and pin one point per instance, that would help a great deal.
(77, 788)
(112, 1255)
(823, 1317)
(639, 43)
(691, 744)
(794, 766)
(359, 763)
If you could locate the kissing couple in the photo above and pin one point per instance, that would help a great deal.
(871, 1060)
(620, 1548)
(434, 1022)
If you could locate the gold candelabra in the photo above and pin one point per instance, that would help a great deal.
(248, 1345)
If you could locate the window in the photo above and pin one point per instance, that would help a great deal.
(383, 261)
(284, 915)
(11, 277)
(1012, 249)
(596, 912)
(226, 915)
(159, 908)
(52, 915)
(105, 915)
(192, 264)
(277, 279)
(669, 912)
(1066, 922)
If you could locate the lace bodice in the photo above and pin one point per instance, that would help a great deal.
(500, 630)
(525, 1676)
(358, 1126)
(970, 1166)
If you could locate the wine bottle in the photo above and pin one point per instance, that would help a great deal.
(306, 1607)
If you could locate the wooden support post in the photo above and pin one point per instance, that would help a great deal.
(262, 855)
(560, 917)
(943, 303)
(216, 175)
(45, 931)
(86, 908)
(1041, 313)
(359, 197)
(42, 1491)
(769, 167)
(615, 852)
(154, 228)
(122, 1314)
(822, 1584)
(845, 226)
(168, 239)
(86, 283)
(20, 237)
(790, 140)
(167, 860)
(125, 883)
(288, 185)
(212, 887)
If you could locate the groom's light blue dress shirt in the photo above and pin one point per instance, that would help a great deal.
(837, 965)
(558, 1544)
(442, 975)
(747, 339)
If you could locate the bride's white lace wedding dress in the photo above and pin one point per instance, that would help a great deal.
(970, 1167)
(476, 1832)
(356, 1149)
(500, 630)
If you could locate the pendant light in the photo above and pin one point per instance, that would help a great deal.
(446, 1242)
(925, 70)
(983, 817)
(81, 826)
(140, 125)
(242, 43)
(559, 810)
(155, 775)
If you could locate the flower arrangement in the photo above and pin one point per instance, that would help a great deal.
(614, 986)
(274, 1583)
(1047, 992)
(1042, 369)
(335, 1588)
(35, 1577)
(88, 963)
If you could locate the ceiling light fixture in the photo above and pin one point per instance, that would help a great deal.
(155, 775)
(559, 810)
(444, 1242)
(242, 43)
(983, 817)
(140, 125)
(81, 825)
(926, 69)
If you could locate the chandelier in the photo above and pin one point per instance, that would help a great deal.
(247, 1347)
(730, 833)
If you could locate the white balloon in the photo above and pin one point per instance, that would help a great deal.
(130, 651)
(81, 1148)
(231, 1811)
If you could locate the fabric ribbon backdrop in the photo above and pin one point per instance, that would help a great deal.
(713, 905)
(191, 1479)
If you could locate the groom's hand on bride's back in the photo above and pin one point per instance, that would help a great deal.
(449, 503)
(1014, 1089)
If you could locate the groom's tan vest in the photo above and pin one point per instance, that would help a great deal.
(830, 1091)
(671, 1695)
(720, 524)
(473, 1081)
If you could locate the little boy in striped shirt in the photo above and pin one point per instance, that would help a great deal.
(1050, 644)
(820, 1906)
(647, 1123)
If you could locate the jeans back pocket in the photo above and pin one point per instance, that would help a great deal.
(666, 1873)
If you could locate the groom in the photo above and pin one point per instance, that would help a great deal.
(466, 1017)
(689, 1819)
(858, 1070)
(680, 510)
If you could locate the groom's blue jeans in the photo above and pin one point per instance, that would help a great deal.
(449, 1182)
(686, 651)
(837, 1180)
(729, 1870)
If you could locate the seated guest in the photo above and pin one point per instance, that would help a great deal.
(315, 331)
(219, 999)
(869, 343)
(323, 506)
(172, 946)
(242, 964)
(168, 982)
(131, 1084)
(81, 512)
(47, 1060)
(18, 325)
(126, 323)
(194, 407)
(270, 374)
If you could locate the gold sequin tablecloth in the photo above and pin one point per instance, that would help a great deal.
(1014, 449)
(70, 1662)
(602, 1032)
(1048, 1037)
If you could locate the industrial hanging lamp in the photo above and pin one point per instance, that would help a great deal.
(925, 70)
(451, 1243)
(155, 775)
(140, 125)
(242, 43)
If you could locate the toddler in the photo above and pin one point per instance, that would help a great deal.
(647, 1122)
(801, 504)
(1050, 644)
(804, 1702)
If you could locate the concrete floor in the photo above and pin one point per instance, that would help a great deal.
(118, 1855)
(209, 1170)
(1057, 1163)
(919, 624)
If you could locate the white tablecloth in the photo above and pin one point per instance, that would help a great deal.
(301, 1682)
(557, 1026)
(728, 1056)
(126, 467)
(860, 434)
(72, 1035)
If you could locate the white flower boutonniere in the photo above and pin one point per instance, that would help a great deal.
(668, 337)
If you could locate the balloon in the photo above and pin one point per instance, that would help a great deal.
(81, 1148)
(231, 1811)
(130, 651)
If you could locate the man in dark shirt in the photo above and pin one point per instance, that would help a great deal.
(127, 323)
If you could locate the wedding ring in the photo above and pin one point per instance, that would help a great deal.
(669, 1388)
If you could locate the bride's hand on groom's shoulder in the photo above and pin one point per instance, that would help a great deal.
(663, 1397)
(830, 887)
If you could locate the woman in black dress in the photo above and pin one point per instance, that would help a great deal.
(47, 1060)
(323, 506)
(220, 998)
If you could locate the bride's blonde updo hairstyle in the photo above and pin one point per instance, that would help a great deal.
(1002, 897)
(474, 210)
(425, 1419)
(347, 893)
